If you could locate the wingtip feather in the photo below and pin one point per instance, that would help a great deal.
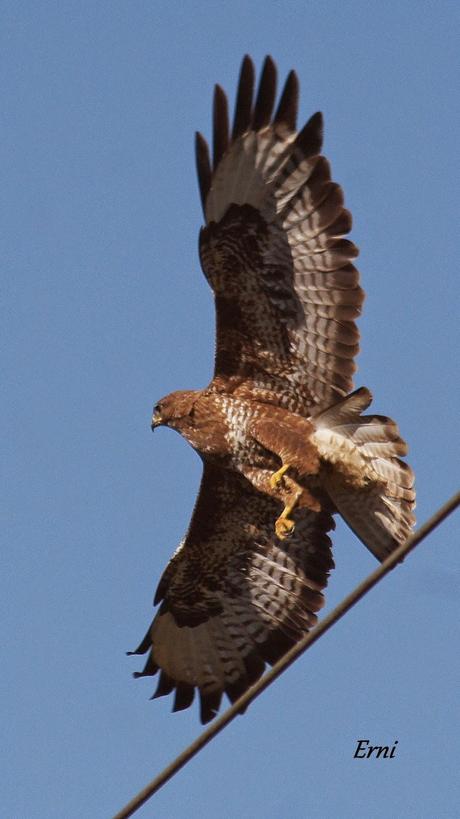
(266, 95)
(286, 113)
(220, 125)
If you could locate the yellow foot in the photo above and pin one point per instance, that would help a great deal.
(284, 527)
(276, 478)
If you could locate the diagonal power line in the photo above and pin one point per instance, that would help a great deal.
(288, 658)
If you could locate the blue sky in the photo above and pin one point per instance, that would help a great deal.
(107, 310)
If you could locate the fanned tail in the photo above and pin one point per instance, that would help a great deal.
(372, 488)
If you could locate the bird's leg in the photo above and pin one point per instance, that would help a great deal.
(284, 525)
(276, 478)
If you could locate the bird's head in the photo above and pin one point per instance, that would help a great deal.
(175, 410)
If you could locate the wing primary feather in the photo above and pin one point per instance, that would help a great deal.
(203, 167)
(185, 694)
(266, 95)
(149, 670)
(286, 112)
(243, 105)
(164, 687)
(255, 667)
(209, 705)
(144, 645)
(276, 645)
(310, 139)
(220, 125)
(236, 689)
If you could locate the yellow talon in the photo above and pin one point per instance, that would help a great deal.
(276, 478)
(284, 527)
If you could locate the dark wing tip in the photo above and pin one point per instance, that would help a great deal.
(265, 95)
(144, 645)
(310, 139)
(164, 687)
(184, 696)
(220, 125)
(286, 112)
(209, 705)
(203, 167)
(243, 105)
(149, 670)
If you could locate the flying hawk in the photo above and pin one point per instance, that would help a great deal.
(283, 442)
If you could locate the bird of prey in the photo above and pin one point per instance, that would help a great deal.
(283, 440)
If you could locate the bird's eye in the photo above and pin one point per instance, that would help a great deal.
(156, 409)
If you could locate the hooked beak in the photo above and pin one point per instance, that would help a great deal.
(156, 421)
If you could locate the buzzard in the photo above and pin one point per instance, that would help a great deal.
(283, 440)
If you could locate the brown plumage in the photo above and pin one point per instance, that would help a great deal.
(284, 444)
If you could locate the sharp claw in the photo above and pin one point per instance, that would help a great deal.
(284, 527)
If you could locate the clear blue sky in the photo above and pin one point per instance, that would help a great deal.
(107, 310)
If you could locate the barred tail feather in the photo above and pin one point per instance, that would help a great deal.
(371, 487)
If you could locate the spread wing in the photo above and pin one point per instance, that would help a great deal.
(234, 597)
(273, 251)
